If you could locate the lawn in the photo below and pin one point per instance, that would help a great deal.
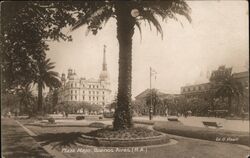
(220, 135)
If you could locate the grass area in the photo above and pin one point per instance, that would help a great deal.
(219, 135)
(44, 130)
(136, 132)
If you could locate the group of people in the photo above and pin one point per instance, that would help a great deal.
(65, 114)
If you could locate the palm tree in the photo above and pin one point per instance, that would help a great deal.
(229, 88)
(26, 100)
(128, 14)
(225, 86)
(45, 77)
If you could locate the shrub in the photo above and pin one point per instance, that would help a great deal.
(100, 118)
(97, 125)
(40, 118)
(108, 114)
(80, 117)
(51, 120)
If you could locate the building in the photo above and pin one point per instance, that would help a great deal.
(203, 89)
(143, 95)
(94, 91)
(195, 90)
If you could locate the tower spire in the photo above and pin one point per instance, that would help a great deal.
(104, 65)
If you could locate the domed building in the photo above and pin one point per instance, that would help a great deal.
(94, 91)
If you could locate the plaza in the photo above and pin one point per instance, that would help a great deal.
(62, 141)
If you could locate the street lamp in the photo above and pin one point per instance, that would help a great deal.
(151, 72)
(135, 13)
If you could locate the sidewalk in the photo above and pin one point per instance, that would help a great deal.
(17, 143)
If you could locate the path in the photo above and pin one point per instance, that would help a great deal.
(16, 142)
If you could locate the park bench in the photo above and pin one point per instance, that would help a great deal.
(173, 119)
(211, 124)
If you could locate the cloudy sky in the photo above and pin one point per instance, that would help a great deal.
(218, 35)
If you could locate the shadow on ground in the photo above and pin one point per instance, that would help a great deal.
(59, 139)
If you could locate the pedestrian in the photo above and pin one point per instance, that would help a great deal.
(166, 113)
(9, 114)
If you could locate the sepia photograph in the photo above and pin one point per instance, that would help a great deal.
(125, 78)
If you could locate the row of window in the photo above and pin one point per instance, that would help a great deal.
(90, 98)
(90, 86)
(198, 88)
(90, 92)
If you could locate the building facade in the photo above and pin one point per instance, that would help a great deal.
(93, 91)
(203, 89)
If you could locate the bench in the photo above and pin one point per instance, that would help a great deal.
(211, 124)
(173, 119)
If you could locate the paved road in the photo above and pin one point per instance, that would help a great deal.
(16, 143)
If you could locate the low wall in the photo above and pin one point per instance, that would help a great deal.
(114, 142)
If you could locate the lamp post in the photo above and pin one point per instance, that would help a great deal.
(151, 73)
(150, 87)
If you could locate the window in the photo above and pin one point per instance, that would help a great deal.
(93, 98)
(103, 98)
(89, 98)
(76, 84)
(93, 86)
(71, 97)
(97, 92)
(97, 98)
(75, 91)
(71, 85)
(89, 92)
(83, 92)
(103, 92)
(83, 97)
(71, 91)
(76, 97)
(93, 92)
(97, 86)
(89, 86)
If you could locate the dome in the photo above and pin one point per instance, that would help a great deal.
(104, 76)
(73, 77)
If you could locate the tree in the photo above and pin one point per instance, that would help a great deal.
(27, 101)
(25, 29)
(45, 77)
(128, 14)
(153, 99)
(225, 86)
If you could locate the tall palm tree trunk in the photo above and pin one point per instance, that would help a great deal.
(125, 32)
(40, 99)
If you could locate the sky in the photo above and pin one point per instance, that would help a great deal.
(218, 35)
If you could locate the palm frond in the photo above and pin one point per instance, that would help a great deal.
(98, 13)
(138, 25)
(151, 10)
(150, 17)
